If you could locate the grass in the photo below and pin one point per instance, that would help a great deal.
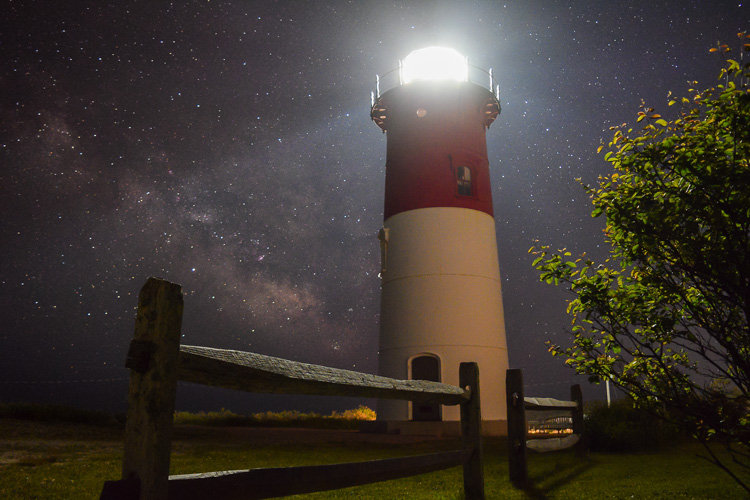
(68, 460)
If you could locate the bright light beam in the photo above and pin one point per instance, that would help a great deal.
(434, 63)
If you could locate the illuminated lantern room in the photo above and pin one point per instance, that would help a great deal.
(434, 63)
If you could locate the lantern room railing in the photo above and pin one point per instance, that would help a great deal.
(392, 79)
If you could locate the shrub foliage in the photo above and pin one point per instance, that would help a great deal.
(623, 427)
(665, 317)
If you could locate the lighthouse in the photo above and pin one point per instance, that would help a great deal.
(441, 299)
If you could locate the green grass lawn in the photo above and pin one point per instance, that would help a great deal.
(43, 460)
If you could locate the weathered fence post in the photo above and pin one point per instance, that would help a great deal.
(152, 359)
(157, 361)
(576, 394)
(471, 432)
(516, 426)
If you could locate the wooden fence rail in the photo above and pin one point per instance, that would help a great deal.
(157, 361)
(518, 405)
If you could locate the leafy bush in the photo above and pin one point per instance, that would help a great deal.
(348, 419)
(360, 413)
(624, 428)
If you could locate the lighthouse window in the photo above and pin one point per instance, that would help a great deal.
(463, 177)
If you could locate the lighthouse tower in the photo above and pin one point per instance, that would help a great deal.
(441, 300)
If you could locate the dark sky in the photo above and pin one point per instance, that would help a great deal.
(228, 147)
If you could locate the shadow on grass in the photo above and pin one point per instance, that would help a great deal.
(539, 485)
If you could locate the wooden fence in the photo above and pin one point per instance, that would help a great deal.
(157, 361)
(518, 405)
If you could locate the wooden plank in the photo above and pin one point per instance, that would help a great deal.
(256, 484)
(471, 433)
(153, 386)
(252, 372)
(517, 466)
(552, 444)
(576, 394)
(544, 404)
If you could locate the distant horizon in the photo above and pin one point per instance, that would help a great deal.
(196, 398)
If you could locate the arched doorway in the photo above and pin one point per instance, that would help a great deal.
(425, 367)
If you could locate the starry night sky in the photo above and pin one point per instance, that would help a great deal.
(228, 147)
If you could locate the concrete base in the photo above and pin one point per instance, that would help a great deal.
(439, 429)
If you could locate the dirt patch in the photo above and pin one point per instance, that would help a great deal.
(26, 459)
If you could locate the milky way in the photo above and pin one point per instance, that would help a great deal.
(228, 147)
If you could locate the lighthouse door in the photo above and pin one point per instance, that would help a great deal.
(425, 367)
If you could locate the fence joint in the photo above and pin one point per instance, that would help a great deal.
(139, 355)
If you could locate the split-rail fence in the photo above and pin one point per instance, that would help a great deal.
(518, 442)
(157, 361)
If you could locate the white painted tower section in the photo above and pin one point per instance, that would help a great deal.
(441, 295)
